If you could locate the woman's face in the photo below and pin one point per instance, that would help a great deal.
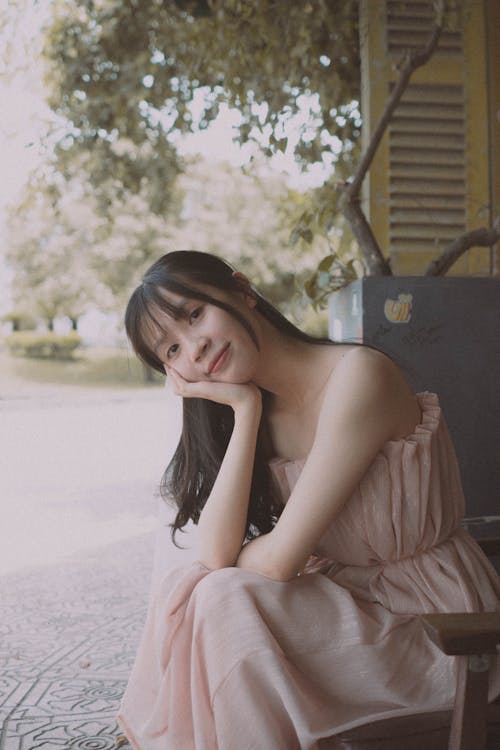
(209, 343)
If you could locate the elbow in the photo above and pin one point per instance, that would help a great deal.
(215, 555)
(260, 556)
(278, 574)
(215, 562)
(215, 552)
(273, 572)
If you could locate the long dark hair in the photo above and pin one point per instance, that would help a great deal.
(207, 426)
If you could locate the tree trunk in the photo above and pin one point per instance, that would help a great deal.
(373, 259)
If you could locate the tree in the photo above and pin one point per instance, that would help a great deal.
(125, 75)
(44, 246)
(245, 217)
(128, 69)
(242, 216)
(67, 258)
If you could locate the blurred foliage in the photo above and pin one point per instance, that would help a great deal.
(314, 322)
(48, 235)
(245, 217)
(91, 367)
(125, 77)
(68, 259)
(45, 345)
(20, 320)
(331, 274)
(124, 74)
(316, 223)
(16, 38)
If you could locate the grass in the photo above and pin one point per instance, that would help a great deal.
(90, 367)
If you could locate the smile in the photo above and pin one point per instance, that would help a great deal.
(219, 361)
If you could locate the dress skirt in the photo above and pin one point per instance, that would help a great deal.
(233, 660)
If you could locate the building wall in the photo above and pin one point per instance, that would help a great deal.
(435, 174)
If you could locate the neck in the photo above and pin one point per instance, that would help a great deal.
(289, 368)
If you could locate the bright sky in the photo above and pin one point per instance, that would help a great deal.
(23, 114)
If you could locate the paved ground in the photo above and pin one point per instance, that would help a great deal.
(78, 541)
(69, 634)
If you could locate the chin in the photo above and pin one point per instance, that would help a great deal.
(235, 379)
(229, 380)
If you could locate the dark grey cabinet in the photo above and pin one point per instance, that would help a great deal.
(445, 334)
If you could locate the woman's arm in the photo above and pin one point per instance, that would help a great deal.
(366, 404)
(223, 520)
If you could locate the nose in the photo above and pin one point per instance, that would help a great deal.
(198, 348)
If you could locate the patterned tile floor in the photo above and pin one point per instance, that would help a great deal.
(68, 635)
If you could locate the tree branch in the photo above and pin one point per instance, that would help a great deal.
(413, 59)
(373, 257)
(476, 238)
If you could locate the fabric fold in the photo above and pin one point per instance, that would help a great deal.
(231, 659)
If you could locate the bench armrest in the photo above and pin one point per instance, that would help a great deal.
(490, 545)
(470, 633)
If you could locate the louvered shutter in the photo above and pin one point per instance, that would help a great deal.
(427, 195)
(408, 25)
(430, 179)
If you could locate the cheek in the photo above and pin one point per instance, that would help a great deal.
(187, 371)
(247, 364)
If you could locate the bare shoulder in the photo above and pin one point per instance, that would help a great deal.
(366, 367)
(372, 364)
(365, 386)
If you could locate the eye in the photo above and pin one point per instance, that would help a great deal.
(195, 314)
(172, 350)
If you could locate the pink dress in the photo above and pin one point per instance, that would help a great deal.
(232, 660)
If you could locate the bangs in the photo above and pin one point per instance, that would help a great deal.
(142, 324)
(149, 302)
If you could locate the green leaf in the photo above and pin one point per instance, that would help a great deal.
(310, 286)
(327, 262)
(307, 235)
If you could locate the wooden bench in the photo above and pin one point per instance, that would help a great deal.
(473, 724)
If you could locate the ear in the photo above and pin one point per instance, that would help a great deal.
(246, 288)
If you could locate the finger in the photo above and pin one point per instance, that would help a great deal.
(186, 388)
(191, 389)
(176, 377)
(175, 380)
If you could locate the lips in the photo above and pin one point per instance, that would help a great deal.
(218, 360)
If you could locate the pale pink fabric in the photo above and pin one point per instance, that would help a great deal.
(232, 660)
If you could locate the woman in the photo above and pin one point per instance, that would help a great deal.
(328, 502)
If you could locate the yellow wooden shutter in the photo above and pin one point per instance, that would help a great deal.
(430, 179)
